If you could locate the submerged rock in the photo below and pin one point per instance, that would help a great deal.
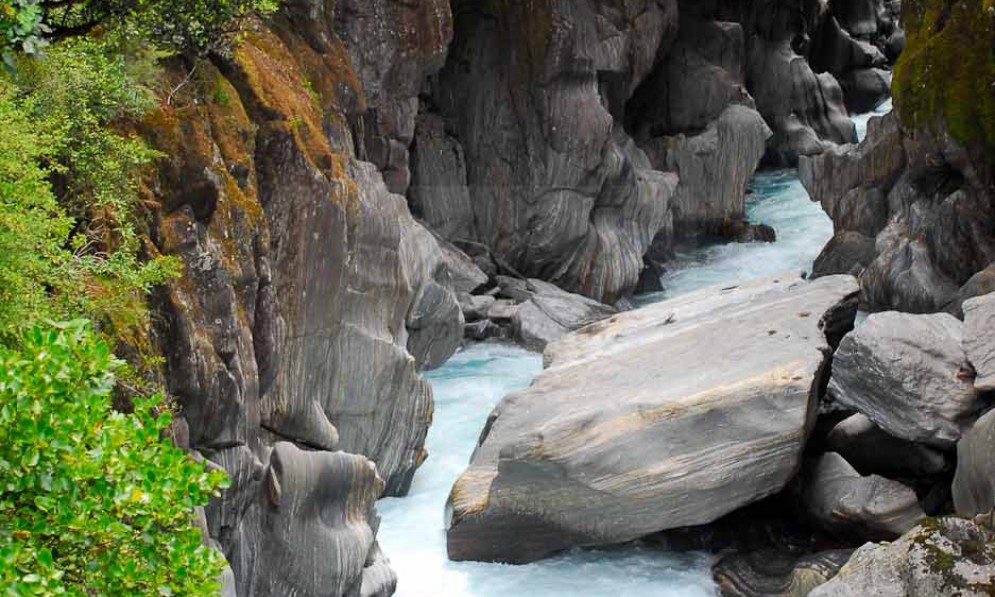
(777, 574)
(635, 427)
(847, 504)
(947, 556)
(974, 482)
(908, 374)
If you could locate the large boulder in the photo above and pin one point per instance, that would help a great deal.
(948, 556)
(974, 483)
(979, 339)
(872, 451)
(909, 375)
(617, 438)
(845, 503)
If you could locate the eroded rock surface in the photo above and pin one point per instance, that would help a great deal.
(909, 375)
(940, 557)
(617, 438)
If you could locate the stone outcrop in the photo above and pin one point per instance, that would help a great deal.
(533, 93)
(309, 296)
(974, 483)
(940, 557)
(617, 439)
(909, 375)
(714, 168)
(922, 181)
(845, 503)
(551, 313)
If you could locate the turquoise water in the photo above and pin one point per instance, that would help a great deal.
(412, 531)
(778, 200)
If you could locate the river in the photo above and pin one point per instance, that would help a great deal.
(412, 531)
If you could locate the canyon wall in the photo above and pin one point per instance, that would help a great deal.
(550, 139)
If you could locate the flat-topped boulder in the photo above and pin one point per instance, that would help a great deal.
(669, 416)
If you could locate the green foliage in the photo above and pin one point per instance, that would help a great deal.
(945, 79)
(72, 248)
(92, 502)
(181, 25)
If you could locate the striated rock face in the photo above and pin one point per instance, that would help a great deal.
(940, 557)
(616, 439)
(974, 485)
(533, 92)
(310, 297)
(775, 574)
(714, 168)
(909, 375)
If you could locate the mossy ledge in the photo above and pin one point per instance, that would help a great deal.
(945, 80)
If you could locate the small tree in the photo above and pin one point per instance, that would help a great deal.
(92, 501)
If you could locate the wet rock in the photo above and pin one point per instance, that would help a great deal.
(909, 375)
(847, 504)
(866, 88)
(979, 284)
(974, 484)
(938, 557)
(872, 451)
(551, 313)
(502, 311)
(616, 439)
(777, 574)
(979, 341)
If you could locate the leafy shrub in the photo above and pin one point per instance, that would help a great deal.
(182, 25)
(92, 501)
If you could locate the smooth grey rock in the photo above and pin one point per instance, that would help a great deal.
(908, 374)
(846, 253)
(475, 307)
(461, 273)
(845, 503)
(439, 194)
(776, 574)
(714, 168)
(311, 527)
(974, 483)
(873, 452)
(617, 438)
(551, 313)
(502, 310)
(979, 284)
(945, 556)
(535, 94)
(979, 339)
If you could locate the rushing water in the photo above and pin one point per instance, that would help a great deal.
(861, 119)
(468, 386)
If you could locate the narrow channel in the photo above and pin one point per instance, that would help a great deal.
(412, 529)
